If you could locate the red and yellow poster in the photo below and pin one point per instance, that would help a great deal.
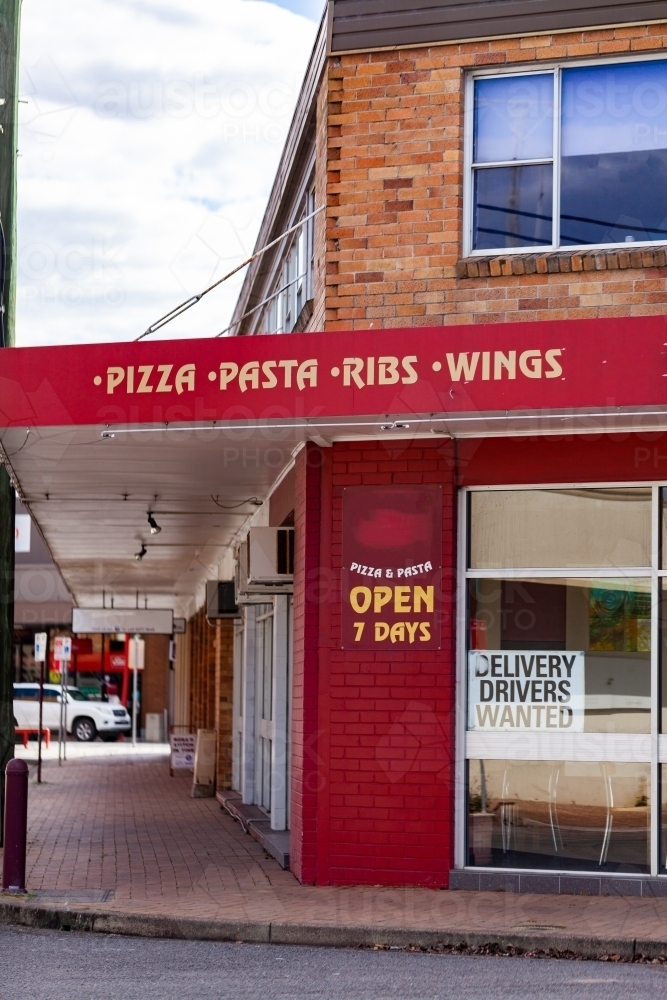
(392, 567)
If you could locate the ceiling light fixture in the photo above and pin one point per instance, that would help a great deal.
(155, 527)
(141, 553)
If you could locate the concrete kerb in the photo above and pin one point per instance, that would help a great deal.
(487, 942)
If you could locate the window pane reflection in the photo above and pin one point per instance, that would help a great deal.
(560, 815)
(603, 628)
(517, 529)
(514, 118)
(513, 207)
(614, 153)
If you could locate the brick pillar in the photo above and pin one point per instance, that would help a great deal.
(155, 680)
(211, 663)
(372, 732)
(224, 682)
(203, 669)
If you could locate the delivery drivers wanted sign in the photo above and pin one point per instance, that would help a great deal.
(392, 568)
(534, 690)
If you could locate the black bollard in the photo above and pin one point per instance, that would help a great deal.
(16, 826)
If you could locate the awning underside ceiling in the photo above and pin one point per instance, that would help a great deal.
(90, 496)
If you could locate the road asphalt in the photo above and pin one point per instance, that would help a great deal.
(56, 965)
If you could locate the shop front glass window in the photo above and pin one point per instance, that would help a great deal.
(582, 646)
(516, 529)
(564, 666)
(563, 815)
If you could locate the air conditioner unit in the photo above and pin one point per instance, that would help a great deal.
(221, 599)
(265, 562)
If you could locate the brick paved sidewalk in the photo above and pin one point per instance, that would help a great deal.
(122, 824)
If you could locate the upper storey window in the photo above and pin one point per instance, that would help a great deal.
(568, 157)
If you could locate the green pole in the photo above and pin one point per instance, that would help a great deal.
(7, 497)
(10, 15)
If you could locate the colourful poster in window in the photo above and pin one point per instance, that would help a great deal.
(619, 620)
(392, 568)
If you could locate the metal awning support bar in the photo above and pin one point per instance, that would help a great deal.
(254, 309)
(402, 423)
(194, 299)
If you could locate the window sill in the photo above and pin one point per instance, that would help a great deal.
(561, 262)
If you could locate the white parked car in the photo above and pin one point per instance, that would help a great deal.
(85, 719)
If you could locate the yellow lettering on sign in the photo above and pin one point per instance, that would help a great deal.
(307, 372)
(402, 600)
(267, 371)
(506, 361)
(145, 372)
(360, 599)
(412, 628)
(228, 372)
(555, 370)
(249, 374)
(165, 372)
(381, 596)
(398, 632)
(530, 363)
(387, 371)
(185, 379)
(114, 378)
(427, 595)
(405, 598)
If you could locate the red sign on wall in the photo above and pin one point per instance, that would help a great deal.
(308, 378)
(392, 562)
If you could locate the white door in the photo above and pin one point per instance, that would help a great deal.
(280, 706)
(237, 708)
(264, 705)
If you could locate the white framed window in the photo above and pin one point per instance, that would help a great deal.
(295, 284)
(566, 156)
(562, 678)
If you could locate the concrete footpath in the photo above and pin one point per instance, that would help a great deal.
(117, 846)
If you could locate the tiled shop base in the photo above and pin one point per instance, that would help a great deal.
(573, 885)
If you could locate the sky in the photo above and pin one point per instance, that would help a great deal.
(149, 135)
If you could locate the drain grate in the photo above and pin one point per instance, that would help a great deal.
(66, 896)
(539, 927)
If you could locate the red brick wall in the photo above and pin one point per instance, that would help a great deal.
(155, 679)
(211, 663)
(224, 698)
(304, 774)
(373, 798)
(395, 197)
(201, 637)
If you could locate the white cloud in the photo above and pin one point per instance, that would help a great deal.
(309, 8)
(148, 147)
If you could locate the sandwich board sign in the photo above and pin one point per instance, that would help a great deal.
(183, 746)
